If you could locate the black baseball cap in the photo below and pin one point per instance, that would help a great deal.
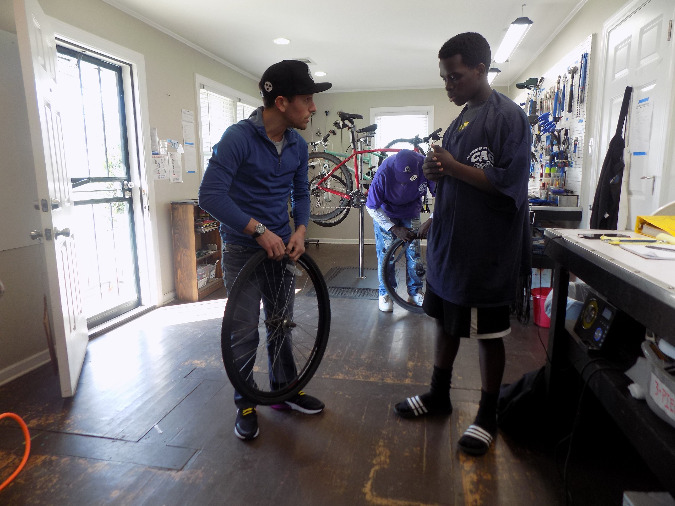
(289, 78)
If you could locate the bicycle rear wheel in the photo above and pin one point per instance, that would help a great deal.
(326, 208)
(395, 268)
(275, 327)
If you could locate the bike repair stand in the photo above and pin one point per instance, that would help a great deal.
(350, 278)
(362, 203)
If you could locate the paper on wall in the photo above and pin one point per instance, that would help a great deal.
(160, 166)
(190, 159)
(176, 167)
(643, 127)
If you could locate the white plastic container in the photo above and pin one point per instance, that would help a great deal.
(661, 386)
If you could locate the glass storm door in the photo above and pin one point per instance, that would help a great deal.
(95, 138)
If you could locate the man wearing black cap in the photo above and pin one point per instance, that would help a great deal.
(256, 166)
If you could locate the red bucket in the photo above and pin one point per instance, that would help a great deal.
(539, 295)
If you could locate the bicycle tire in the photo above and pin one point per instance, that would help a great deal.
(269, 281)
(334, 221)
(326, 206)
(394, 273)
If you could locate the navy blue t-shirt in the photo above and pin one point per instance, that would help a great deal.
(476, 243)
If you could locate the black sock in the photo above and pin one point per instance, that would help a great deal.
(439, 393)
(487, 411)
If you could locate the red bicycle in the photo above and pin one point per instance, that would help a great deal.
(335, 187)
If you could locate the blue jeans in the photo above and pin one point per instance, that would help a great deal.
(384, 239)
(277, 303)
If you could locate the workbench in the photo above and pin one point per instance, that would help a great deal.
(645, 291)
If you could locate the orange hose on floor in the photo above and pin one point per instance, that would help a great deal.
(26, 452)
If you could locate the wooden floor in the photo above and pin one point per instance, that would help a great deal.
(152, 423)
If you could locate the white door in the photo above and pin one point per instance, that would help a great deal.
(640, 54)
(37, 48)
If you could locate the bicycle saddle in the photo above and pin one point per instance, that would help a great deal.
(347, 116)
(368, 129)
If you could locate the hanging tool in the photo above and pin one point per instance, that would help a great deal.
(556, 101)
(561, 109)
(582, 82)
(572, 71)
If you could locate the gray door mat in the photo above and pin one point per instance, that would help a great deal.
(344, 282)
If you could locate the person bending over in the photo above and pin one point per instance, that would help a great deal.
(394, 202)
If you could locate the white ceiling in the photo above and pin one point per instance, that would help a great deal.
(360, 44)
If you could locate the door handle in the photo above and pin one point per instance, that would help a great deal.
(65, 232)
(36, 234)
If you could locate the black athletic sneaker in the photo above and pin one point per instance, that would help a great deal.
(303, 403)
(246, 426)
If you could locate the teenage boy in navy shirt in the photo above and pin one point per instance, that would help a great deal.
(256, 166)
(478, 243)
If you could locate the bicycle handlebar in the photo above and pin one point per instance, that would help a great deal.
(435, 135)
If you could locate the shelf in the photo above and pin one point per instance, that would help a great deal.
(645, 292)
(213, 254)
(210, 287)
(655, 439)
(192, 230)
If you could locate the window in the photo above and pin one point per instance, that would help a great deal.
(219, 107)
(401, 123)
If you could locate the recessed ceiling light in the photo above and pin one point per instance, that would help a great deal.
(281, 41)
(319, 74)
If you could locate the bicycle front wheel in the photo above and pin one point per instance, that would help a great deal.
(275, 328)
(327, 208)
(395, 271)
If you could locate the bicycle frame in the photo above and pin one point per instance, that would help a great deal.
(356, 155)
(342, 155)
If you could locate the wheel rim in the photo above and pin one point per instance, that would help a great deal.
(326, 206)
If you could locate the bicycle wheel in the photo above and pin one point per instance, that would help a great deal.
(327, 207)
(275, 328)
(395, 268)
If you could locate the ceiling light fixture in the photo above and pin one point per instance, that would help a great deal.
(514, 35)
(319, 73)
(282, 41)
(492, 73)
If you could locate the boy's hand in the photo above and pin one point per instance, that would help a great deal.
(437, 163)
(424, 229)
(405, 234)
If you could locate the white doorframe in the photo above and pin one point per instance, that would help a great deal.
(138, 122)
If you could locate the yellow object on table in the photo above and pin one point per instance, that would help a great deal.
(658, 227)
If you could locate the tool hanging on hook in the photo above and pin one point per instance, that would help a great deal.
(572, 72)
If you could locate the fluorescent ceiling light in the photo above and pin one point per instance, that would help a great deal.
(282, 41)
(514, 35)
(492, 73)
(319, 74)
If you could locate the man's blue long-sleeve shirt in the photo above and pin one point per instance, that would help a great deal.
(246, 178)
